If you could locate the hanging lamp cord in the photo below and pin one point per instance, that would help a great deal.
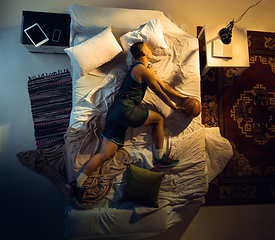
(254, 5)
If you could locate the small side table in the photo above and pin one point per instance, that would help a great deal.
(49, 22)
(240, 54)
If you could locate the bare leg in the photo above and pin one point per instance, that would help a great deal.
(156, 120)
(108, 149)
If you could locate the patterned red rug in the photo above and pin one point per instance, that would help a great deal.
(244, 109)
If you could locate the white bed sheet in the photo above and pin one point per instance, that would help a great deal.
(203, 152)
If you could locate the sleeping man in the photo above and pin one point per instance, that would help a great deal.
(125, 112)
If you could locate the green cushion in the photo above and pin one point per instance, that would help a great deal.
(142, 186)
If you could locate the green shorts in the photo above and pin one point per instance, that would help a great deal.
(121, 115)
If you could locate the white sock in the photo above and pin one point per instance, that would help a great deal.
(81, 179)
(158, 153)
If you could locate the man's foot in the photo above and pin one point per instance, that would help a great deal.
(165, 161)
(75, 192)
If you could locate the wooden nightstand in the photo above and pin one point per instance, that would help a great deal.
(50, 23)
(239, 48)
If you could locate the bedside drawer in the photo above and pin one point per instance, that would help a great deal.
(45, 49)
(49, 22)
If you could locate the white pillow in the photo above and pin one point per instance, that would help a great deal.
(150, 33)
(94, 52)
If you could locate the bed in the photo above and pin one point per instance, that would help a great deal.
(99, 52)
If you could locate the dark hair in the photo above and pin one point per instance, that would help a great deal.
(136, 49)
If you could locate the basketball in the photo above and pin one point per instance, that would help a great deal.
(192, 107)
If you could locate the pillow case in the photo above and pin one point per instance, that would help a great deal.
(151, 33)
(142, 186)
(94, 52)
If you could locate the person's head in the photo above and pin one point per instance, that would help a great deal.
(140, 49)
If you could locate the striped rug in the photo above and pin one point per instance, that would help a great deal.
(51, 105)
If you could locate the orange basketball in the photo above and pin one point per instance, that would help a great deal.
(192, 107)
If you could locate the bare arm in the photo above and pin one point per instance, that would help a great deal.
(149, 76)
(153, 84)
(142, 73)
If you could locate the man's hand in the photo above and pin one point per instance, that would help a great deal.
(180, 110)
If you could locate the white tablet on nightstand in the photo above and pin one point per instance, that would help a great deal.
(36, 35)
